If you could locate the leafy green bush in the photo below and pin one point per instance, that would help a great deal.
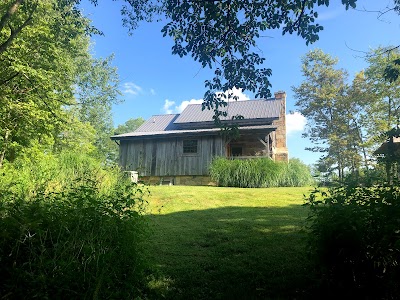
(259, 172)
(70, 239)
(373, 176)
(355, 240)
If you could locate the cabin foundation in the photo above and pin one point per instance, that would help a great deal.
(178, 180)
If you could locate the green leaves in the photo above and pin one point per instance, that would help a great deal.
(37, 71)
(333, 110)
(223, 35)
(392, 71)
(129, 126)
(46, 70)
(349, 3)
(354, 238)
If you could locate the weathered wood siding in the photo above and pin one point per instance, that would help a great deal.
(165, 157)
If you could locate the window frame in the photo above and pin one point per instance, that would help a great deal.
(192, 147)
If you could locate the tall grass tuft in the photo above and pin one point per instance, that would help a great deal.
(70, 230)
(259, 172)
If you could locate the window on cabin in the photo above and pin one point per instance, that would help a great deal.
(189, 146)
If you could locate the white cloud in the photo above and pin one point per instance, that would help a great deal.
(295, 122)
(131, 88)
(183, 104)
(152, 92)
(235, 92)
(169, 109)
(167, 106)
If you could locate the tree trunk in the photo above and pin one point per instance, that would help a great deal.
(10, 12)
(14, 31)
(364, 151)
(389, 113)
(3, 151)
(340, 172)
(2, 154)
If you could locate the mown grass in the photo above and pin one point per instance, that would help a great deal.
(228, 243)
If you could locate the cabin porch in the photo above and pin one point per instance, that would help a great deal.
(251, 146)
(256, 146)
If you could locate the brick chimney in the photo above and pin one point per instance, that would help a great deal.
(281, 152)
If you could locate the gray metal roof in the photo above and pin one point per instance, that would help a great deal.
(250, 109)
(159, 123)
(256, 113)
(176, 132)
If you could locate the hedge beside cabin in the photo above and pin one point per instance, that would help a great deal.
(178, 148)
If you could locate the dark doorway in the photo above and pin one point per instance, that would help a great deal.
(236, 150)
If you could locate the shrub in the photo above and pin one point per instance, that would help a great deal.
(370, 177)
(259, 172)
(355, 240)
(70, 239)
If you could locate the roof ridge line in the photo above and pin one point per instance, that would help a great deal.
(234, 101)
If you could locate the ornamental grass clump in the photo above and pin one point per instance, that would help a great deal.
(259, 172)
(296, 173)
(77, 239)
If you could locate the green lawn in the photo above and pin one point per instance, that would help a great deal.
(228, 243)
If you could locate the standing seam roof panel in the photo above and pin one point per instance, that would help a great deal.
(159, 123)
(250, 109)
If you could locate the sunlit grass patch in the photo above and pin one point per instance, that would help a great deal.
(229, 243)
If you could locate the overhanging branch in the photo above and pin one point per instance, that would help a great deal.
(14, 32)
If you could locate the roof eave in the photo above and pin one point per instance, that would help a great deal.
(163, 135)
(166, 134)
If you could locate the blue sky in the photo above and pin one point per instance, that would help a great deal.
(153, 81)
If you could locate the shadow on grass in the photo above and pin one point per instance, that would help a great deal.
(230, 253)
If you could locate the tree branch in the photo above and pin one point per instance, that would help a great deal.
(14, 33)
(296, 24)
(10, 12)
(9, 79)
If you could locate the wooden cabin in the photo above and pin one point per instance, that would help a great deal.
(178, 148)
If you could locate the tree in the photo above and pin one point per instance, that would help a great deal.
(74, 135)
(384, 95)
(17, 15)
(358, 100)
(43, 45)
(36, 63)
(97, 89)
(224, 34)
(220, 34)
(323, 99)
(384, 107)
(348, 122)
(392, 71)
(129, 126)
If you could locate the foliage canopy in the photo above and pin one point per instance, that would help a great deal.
(54, 95)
